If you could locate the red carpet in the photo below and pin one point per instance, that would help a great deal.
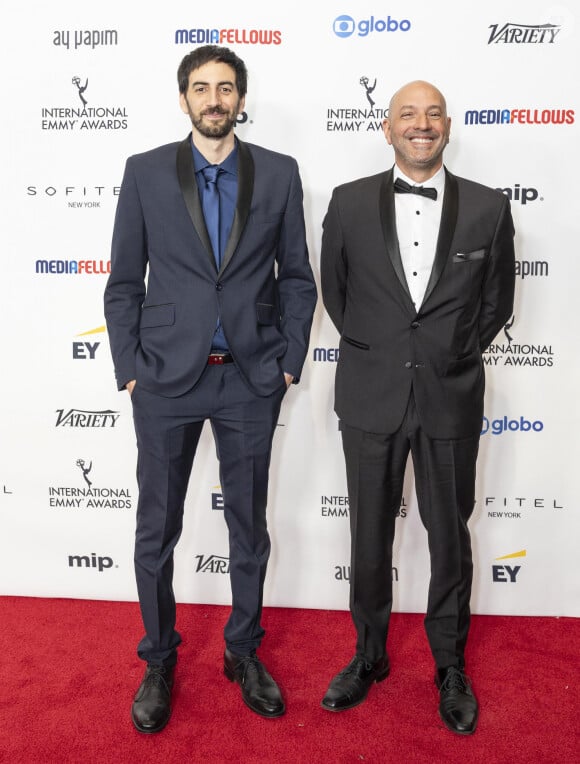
(70, 672)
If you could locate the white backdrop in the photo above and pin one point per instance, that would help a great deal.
(320, 77)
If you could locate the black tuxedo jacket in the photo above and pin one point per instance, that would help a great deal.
(164, 292)
(386, 345)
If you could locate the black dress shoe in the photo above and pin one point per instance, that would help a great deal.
(259, 691)
(457, 704)
(350, 687)
(151, 707)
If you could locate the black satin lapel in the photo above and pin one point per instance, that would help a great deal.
(243, 203)
(389, 226)
(446, 231)
(188, 185)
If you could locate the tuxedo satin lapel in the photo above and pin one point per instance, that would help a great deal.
(446, 232)
(243, 203)
(389, 226)
(188, 185)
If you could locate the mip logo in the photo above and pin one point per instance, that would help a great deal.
(499, 426)
(346, 26)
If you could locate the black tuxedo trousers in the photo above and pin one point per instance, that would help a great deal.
(168, 432)
(445, 487)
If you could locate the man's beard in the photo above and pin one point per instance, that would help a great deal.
(214, 130)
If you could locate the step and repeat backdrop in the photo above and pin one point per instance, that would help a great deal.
(86, 85)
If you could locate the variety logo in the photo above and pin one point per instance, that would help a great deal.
(84, 38)
(87, 419)
(507, 574)
(83, 118)
(73, 267)
(519, 116)
(212, 563)
(353, 119)
(88, 496)
(93, 562)
(514, 507)
(228, 36)
(523, 34)
(512, 353)
(85, 351)
(504, 424)
(342, 573)
(521, 195)
(346, 26)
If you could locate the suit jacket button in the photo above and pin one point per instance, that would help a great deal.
(415, 325)
(408, 365)
(219, 286)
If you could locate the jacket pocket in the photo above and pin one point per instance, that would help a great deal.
(157, 315)
(356, 343)
(469, 257)
(266, 313)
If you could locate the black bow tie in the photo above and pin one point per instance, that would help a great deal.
(404, 188)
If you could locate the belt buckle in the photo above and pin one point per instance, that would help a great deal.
(216, 359)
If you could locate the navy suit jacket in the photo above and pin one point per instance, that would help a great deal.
(387, 346)
(164, 293)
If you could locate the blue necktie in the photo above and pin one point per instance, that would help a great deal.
(211, 209)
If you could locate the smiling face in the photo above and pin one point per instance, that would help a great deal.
(418, 129)
(212, 100)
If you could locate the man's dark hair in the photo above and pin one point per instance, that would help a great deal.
(205, 54)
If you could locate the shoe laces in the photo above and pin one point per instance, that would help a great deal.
(455, 680)
(355, 665)
(248, 663)
(156, 675)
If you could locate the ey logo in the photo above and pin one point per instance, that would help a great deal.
(85, 351)
(507, 574)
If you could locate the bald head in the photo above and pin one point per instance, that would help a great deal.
(418, 129)
(410, 91)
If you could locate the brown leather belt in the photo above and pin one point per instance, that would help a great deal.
(217, 359)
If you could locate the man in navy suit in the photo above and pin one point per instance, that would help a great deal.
(418, 281)
(209, 307)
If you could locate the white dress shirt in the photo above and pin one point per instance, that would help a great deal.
(418, 219)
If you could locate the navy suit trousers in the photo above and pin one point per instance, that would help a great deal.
(168, 431)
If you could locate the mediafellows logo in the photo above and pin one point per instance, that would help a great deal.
(519, 116)
(73, 267)
(523, 34)
(86, 117)
(228, 36)
(346, 26)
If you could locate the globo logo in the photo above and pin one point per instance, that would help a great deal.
(504, 424)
